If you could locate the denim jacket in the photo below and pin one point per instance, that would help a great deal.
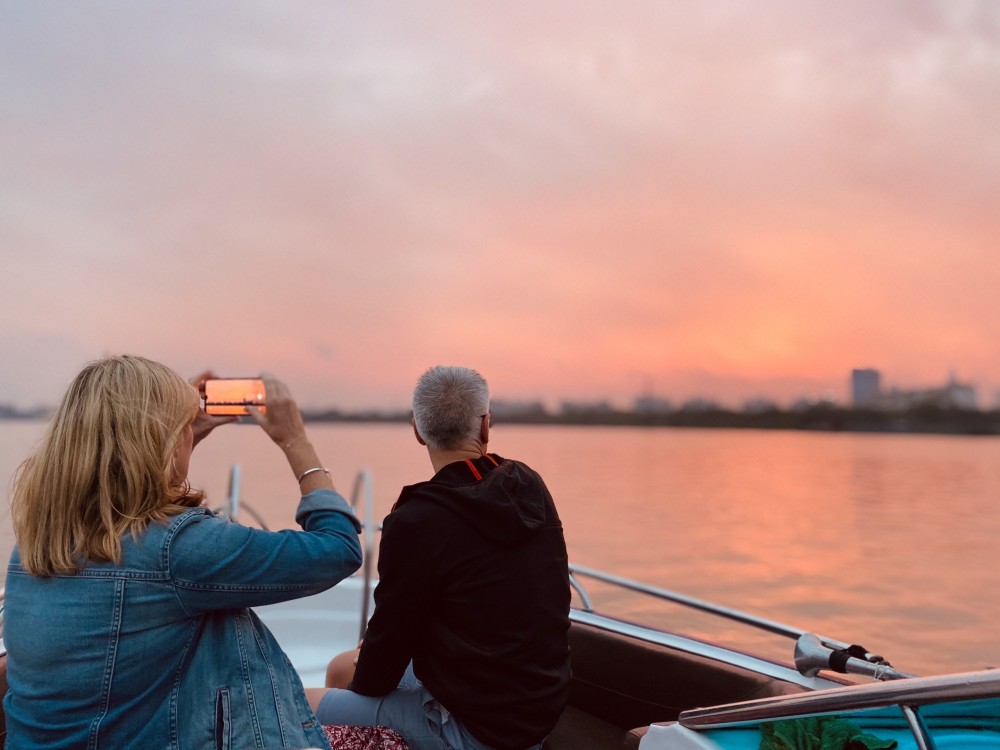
(161, 650)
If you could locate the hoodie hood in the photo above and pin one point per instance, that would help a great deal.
(508, 504)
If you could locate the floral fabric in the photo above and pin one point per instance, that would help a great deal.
(363, 738)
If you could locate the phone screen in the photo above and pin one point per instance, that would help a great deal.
(230, 396)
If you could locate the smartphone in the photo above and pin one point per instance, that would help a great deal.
(230, 396)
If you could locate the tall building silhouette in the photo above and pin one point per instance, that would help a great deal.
(866, 387)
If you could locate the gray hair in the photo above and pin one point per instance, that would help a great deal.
(448, 406)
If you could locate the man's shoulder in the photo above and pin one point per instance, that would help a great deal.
(521, 472)
(417, 501)
(420, 498)
(521, 466)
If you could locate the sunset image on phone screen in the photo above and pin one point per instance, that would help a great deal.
(230, 396)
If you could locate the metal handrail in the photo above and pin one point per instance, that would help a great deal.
(363, 489)
(812, 652)
(234, 504)
(363, 484)
(233, 494)
(689, 601)
(916, 691)
(588, 605)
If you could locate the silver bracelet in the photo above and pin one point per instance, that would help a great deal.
(313, 470)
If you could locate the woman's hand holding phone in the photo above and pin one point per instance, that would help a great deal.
(203, 422)
(283, 423)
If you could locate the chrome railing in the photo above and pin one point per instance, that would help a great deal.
(234, 503)
(363, 486)
(362, 494)
(812, 652)
(907, 695)
(687, 601)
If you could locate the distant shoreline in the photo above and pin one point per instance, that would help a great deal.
(927, 419)
(824, 418)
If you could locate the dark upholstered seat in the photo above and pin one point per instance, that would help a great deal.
(621, 683)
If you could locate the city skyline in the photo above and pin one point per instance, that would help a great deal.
(581, 200)
(888, 396)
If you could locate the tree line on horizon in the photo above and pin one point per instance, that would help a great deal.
(821, 416)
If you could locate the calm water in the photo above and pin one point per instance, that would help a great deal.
(884, 540)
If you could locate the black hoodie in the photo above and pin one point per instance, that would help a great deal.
(474, 589)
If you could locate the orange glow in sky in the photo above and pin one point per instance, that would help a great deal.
(583, 200)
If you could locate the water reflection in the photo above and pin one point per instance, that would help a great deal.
(883, 540)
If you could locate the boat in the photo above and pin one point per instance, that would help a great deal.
(641, 686)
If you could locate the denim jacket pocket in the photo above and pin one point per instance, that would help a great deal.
(223, 720)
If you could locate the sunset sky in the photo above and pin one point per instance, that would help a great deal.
(583, 199)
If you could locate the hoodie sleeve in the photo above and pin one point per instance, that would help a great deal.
(402, 602)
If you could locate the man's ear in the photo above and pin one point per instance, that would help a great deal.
(417, 434)
(484, 429)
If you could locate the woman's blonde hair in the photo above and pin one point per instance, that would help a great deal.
(105, 465)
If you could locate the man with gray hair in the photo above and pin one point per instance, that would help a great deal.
(467, 648)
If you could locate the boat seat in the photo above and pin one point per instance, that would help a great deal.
(628, 683)
(576, 730)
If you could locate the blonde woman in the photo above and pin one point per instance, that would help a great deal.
(127, 620)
